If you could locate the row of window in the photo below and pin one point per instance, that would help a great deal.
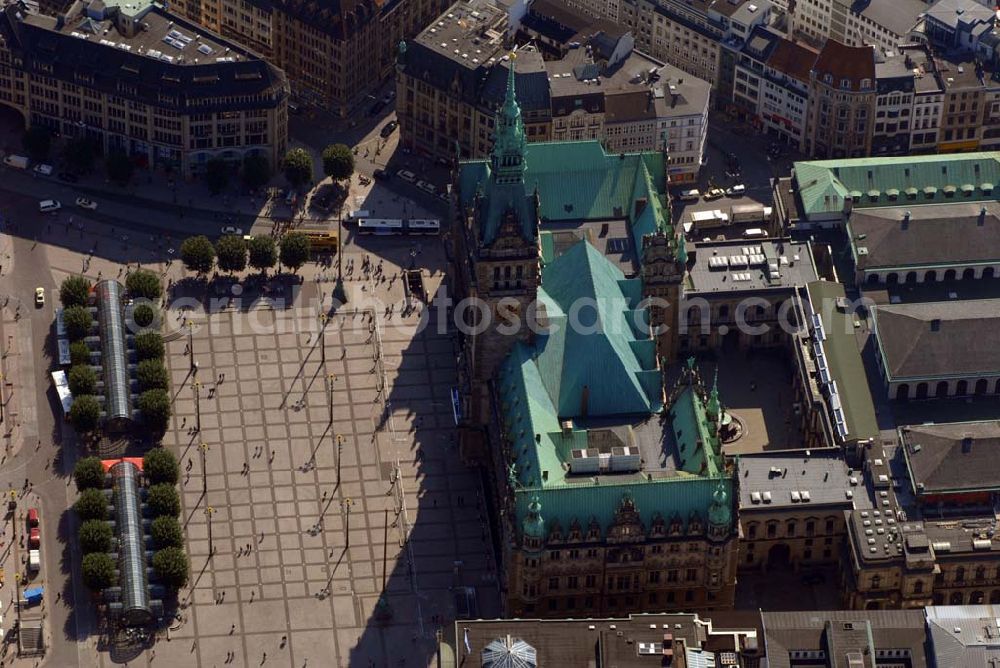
(791, 527)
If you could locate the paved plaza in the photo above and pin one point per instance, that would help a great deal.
(298, 522)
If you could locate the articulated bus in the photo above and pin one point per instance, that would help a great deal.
(322, 242)
(386, 226)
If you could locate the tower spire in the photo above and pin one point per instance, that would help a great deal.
(509, 145)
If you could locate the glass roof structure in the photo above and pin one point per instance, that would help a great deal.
(136, 610)
(114, 353)
(509, 653)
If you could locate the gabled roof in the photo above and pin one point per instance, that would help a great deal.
(964, 636)
(793, 59)
(598, 365)
(824, 184)
(955, 457)
(939, 339)
(854, 64)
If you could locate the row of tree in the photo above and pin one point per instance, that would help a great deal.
(162, 502)
(233, 253)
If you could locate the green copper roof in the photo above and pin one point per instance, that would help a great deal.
(823, 184)
(594, 362)
(721, 510)
(697, 443)
(574, 181)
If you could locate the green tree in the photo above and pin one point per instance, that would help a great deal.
(256, 171)
(82, 380)
(98, 570)
(89, 473)
(144, 284)
(216, 175)
(162, 499)
(149, 345)
(263, 253)
(95, 536)
(232, 253)
(166, 532)
(338, 162)
(91, 505)
(171, 565)
(160, 465)
(294, 250)
(79, 154)
(143, 315)
(198, 254)
(155, 407)
(37, 142)
(74, 291)
(298, 167)
(85, 413)
(152, 375)
(119, 167)
(79, 353)
(78, 321)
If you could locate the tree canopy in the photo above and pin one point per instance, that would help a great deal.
(338, 162)
(79, 154)
(95, 536)
(155, 407)
(162, 499)
(160, 465)
(152, 375)
(144, 284)
(98, 570)
(78, 321)
(82, 380)
(74, 291)
(85, 413)
(91, 505)
(37, 142)
(171, 565)
(217, 173)
(166, 532)
(263, 253)
(89, 473)
(256, 171)
(198, 254)
(79, 353)
(149, 345)
(232, 253)
(298, 167)
(143, 315)
(294, 250)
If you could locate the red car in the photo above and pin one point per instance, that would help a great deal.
(32, 517)
(34, 538)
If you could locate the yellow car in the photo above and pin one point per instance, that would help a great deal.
(39, 296)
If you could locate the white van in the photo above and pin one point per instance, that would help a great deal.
(358, 214)
(692, 195)
(49, 205)
(754, 233)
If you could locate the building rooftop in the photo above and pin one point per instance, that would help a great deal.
(824, 185)
(937, 236)
(748, 266)
(785, 479)
(636, 641)
(562, 24)
(848, 638)
(952, 458)
(898, 16)
(165, 59)
(792, 58)
(951, 13)
(964, 636)
(470, 33)
(854, 64)
(959, 73)
(938, 340)
(845, 380)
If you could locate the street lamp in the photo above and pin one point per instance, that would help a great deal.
(190, 325)
(209, 510)
(347, 503)
(322, 337)
(197, 406)
(204, 467)
(340, 454)
(330, 379)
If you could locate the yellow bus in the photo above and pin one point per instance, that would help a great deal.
(322, 242)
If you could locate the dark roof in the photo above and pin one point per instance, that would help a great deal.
(954, 457)
(853, 63)
(792, 59)
(939, 339)
(560, 22)
(842, 634)
(57, 52)
(943, 235)
(531, 83)
(337, 18)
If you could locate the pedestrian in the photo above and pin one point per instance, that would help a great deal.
(232, 629)
(284, 641)
(263, 659)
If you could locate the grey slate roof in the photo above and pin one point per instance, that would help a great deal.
(939, 339)
(899, 16)
(945, 235)
(964, 636)
(941, 459)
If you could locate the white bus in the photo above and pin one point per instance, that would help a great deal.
(62, 390)
(380, 226)
(423, 226)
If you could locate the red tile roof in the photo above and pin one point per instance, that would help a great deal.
(854, 63)
(793, 59)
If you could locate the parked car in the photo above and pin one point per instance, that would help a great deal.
(34, 561)
(39, 296)
(714, 193)
(85, 203)
(68, 177)
(692, 195)
(380, 174)
(16, 161)
(49, 205)
(407, 175)
(229, 229)
(34, 538)
(388, 128)
(43, 169)
(737, 190)
(426, 187)
(32, 517)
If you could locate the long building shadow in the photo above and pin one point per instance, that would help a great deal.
(446, 559)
